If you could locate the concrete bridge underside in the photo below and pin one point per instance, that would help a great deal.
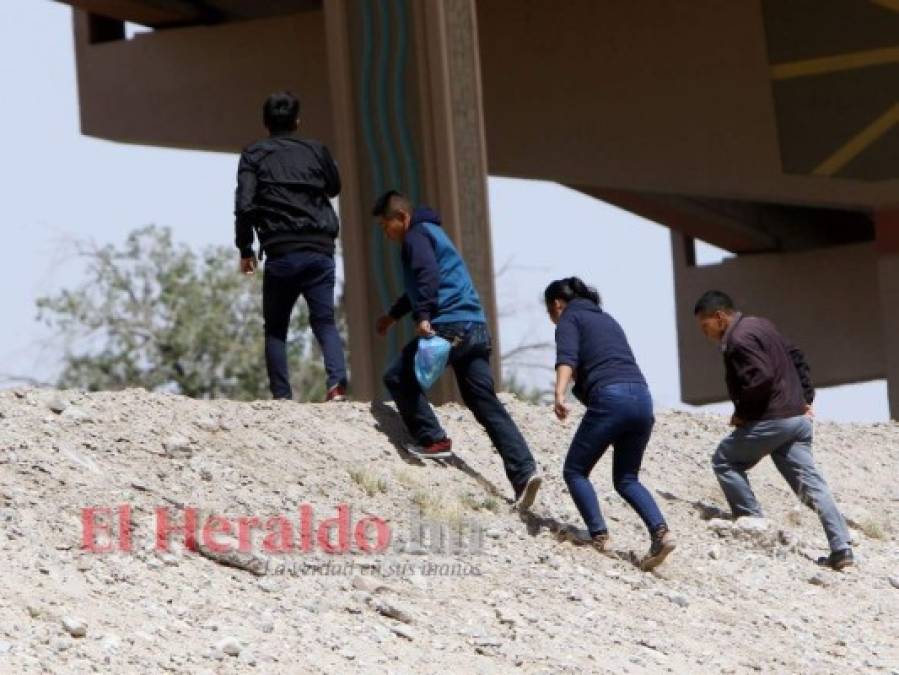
(766, 128)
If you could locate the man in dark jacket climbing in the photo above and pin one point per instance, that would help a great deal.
(769, 384)
(442, 300)
(284, 183)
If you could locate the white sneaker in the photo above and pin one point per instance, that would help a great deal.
(524, 500)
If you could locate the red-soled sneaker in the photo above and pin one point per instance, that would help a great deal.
(336, 394)
(438, 450)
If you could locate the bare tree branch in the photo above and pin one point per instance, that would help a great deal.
(9, 378)
(530, 365)
(510, 265)
(526, 348)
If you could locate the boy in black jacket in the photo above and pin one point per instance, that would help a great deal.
(283, 187)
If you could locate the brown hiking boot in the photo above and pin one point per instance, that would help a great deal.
(600, 541)
(662, 544)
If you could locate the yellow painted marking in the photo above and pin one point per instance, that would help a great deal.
(832, 64)
(888, 4)
(858, 143)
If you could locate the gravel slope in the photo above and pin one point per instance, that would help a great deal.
(518, 594)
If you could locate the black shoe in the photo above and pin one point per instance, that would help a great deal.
(527, 493)
(838, 560)
(662, 544)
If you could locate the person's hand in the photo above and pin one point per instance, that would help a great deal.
(809, 411)
(736, 421)
(383, 324)
(248, 265)
(423, 329)
(560, 408)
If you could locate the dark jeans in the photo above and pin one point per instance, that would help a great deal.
(470, 360)
(619, 415)
(287, 277)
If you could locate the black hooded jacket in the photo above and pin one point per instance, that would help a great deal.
(283, 186)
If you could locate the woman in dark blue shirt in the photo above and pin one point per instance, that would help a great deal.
(592, 350)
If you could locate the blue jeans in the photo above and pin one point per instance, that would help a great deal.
(619, 415)
(310, 274)
(470, 359)
(789, 443)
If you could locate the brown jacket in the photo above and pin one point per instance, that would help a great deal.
(767, 377)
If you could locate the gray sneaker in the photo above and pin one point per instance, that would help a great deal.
(527, 493)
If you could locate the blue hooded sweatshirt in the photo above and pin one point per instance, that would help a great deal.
(438, 286)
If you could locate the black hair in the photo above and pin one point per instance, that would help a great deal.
(390, 202)
(570, 289)
(280, 112)
(713, 301)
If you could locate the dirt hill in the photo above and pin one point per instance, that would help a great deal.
(504, 593)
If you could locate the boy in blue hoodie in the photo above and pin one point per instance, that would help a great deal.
(443, 301)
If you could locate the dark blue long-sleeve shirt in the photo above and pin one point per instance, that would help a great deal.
(594, 345)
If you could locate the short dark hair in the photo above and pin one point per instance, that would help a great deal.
(390, 202)
(568, 289)
(713, 301)
(280, 112)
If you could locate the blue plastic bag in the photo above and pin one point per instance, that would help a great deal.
(430, 360)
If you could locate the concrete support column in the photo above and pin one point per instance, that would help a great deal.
(683, 258)
(887, 222)
(408, 115)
